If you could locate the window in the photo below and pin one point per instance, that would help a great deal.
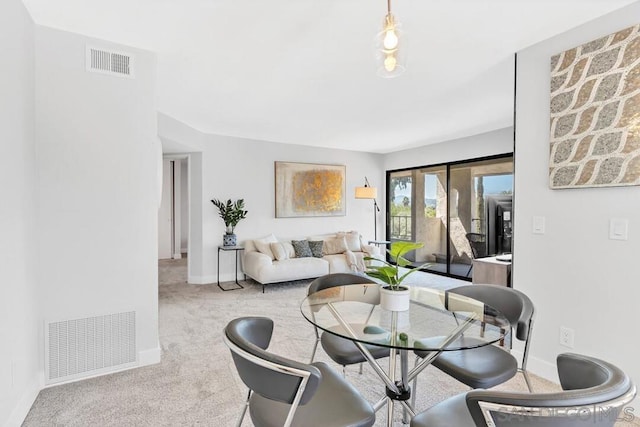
(440, 205)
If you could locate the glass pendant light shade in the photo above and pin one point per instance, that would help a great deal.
(391, 48)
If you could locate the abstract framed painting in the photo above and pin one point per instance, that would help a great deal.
(308, 190)
(595, 113)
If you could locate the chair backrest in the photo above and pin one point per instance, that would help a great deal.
(515, 305)
(336, 279)
(478, 244)
(594, 393)
(271, 376)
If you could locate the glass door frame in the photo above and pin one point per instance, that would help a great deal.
(447, 166)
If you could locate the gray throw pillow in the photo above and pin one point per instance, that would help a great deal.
(302, 249)
(316, 248)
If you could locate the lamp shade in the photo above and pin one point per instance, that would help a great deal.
(366, 193)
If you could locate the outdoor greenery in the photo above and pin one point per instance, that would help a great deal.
(390, 273)
(231, 212)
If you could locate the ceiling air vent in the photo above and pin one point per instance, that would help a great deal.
(109, 62)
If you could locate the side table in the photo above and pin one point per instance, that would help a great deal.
(237, 250)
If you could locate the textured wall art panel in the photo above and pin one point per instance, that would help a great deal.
(595, 113)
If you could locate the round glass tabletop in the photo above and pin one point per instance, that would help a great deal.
(437, 320)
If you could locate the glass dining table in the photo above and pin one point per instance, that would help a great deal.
(435, 321)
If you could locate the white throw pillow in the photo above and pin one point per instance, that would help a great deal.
(264, 245)
(334, 246)
(353, 240)
(291, 252)
(279, 250)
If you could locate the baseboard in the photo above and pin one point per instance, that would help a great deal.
(201, 280)
(177, 255)
(25, 402)
(539, 367)
(212, 280)
(149, 357)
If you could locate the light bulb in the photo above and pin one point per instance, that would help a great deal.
(390, 41)
(390, 63)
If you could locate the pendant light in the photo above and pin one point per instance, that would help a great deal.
(391, 47)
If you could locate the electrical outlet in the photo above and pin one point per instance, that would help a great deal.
(566, 336)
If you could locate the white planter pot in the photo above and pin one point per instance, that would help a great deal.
(395, 300)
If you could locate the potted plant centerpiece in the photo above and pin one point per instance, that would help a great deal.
(231, 213)
(394, 296)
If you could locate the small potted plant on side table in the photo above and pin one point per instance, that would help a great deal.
(231, 213)
(394, 296)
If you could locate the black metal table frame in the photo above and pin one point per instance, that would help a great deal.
(236, 249)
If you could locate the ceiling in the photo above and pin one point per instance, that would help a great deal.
(302, 71)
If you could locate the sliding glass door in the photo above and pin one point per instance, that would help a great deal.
(458, 210)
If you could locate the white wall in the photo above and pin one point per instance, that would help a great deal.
(19, 367)
(238, 168)
(481, 145)
(97, 182)
(235, 168)
(576, 276)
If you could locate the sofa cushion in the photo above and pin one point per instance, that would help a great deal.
(263, 245)
(316, 248)
(353, 240)
(281, 251)
(302, 249)
(334, 246)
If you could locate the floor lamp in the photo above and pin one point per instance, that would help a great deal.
(369, 192)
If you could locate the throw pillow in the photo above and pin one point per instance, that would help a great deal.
(291, 253)
(302, 249)
(334, 246)
(279, 250)
(353, 240)
(316, 247)
(264, 245)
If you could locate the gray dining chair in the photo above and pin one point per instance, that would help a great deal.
(478, 245)
(283, 392)
(490, 365)
(341, 350)
(594, 394)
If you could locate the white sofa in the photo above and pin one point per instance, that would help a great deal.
(269, 260)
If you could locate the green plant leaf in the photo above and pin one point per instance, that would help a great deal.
(401, 278)
(389, 273)
(399, 249)
(402, 261)
(231, 212)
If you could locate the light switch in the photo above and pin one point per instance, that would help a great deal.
(538, 225)
(619, 229)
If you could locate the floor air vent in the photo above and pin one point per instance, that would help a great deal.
(82, 347)
(108, 62)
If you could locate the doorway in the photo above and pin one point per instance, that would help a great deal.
(173, 215)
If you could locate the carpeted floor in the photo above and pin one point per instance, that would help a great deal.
(196, 382)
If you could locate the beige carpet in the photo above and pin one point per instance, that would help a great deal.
(196, 383)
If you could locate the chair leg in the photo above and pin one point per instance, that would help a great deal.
(344, 371)
(315, 347)
(527, 380)
(244, 410)
(415, 385)
(360, 372)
